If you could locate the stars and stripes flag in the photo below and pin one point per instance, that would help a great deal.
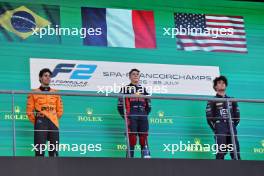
(234, 42)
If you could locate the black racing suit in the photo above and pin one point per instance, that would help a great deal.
(137, 110)
(217, 118)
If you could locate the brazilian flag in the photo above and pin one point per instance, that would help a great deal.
(18, 21)
(22, 21)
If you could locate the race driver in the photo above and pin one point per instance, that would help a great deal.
(44, 112)
(137, 111)
(217, 118)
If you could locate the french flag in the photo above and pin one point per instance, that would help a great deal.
(120, 27)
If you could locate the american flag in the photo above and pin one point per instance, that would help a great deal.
(235, 43)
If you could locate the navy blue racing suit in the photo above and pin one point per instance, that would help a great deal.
(137, 110)
(217, 118)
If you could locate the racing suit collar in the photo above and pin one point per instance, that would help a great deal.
(42, 88)
(220, 96)
(131, 84)
(136, 85)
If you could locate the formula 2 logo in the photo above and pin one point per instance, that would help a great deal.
(77, 71)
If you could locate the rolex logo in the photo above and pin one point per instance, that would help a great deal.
(262, 143)
(16, 114)
(259, 149)
(160, 118)
(161, 114)
(89, 117)
(17, 109)
(89, 111)
(197, 141)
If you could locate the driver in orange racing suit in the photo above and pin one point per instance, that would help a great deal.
(44, 112)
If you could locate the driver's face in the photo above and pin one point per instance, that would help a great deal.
(220, 86)
(134, 77)
(46, 78)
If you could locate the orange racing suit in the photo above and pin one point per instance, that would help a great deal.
(49, 105)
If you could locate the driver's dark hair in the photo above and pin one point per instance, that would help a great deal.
(220, 78)
(132, 70)
(43, 71)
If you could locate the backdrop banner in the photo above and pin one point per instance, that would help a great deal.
(100, 76)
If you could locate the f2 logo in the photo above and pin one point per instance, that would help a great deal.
(80, 71)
